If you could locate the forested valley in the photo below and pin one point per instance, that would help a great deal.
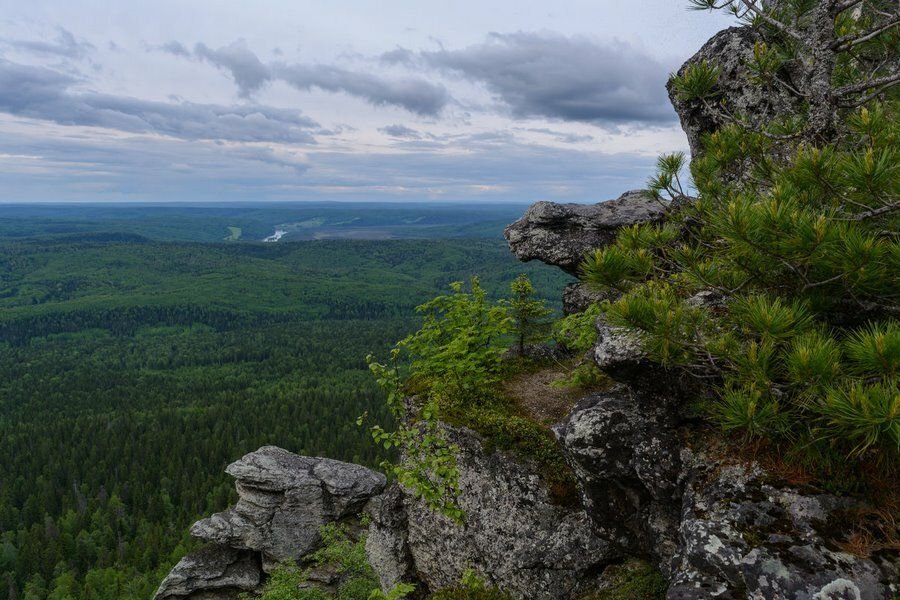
(133, 371)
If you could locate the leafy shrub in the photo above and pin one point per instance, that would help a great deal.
(633, 580)
(451, 368)
(347, 558)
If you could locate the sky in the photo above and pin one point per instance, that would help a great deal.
(363, 100)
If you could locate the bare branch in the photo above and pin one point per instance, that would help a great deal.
(750, 4)
(882, 83)
(850, 41)
(877, 212)
(872, 96)
(845, 5)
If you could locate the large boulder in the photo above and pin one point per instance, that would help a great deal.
(514, 535)
(213, 572)
(624, 449)
(283, 501)
(561, 234)
(743, 536)
(730, 51)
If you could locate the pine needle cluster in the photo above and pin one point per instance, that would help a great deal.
(796, 237)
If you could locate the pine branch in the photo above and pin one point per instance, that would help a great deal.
(752, 6)
(850, 41)
(876, 212)
(882, 83)
(892, 80)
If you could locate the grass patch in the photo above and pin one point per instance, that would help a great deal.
(632, 580)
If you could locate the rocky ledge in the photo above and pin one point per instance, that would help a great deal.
(283, 501)
(560, 234)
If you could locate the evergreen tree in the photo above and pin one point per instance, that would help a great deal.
(529, 314)
(793, 241)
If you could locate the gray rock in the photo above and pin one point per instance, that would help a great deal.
(514, 535)
(212, 573)
(624, 450)
(577, 297)
(283, 501)
(561, 234)
(744, 538)
(730, 50)
(617, 349)
(387, 547)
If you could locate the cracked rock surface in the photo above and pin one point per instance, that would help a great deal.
(745, 538)
(561, 234)
(283, 501)
(514, 535)
(214, 571)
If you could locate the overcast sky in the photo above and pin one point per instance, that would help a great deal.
(226, 100)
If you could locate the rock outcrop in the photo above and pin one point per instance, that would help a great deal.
(212, 572)
(730, 51)
(514, 535)
(742, 536)
(283, 501)
(561, 234)
(624, 450)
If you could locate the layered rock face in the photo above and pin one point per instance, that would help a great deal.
(560, 234)
(515, 535)
(730, 51)
(283, 501)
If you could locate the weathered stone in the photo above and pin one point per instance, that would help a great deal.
(514, 535)
(625, 454)
(561, 234)
(212, 573)
(387, 547)
(731, 50)
(744, 538)
(577, 297)
(283, 501)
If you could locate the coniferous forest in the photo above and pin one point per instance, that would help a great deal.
(133, 371)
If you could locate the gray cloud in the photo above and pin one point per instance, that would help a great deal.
(175, 48)
(65, 45)
(567, 78)
(250, 74)
(415, 95)
(401, 131)
(42, 93)
(568, 138)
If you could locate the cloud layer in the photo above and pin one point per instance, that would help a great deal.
(45, 94)
(250, 75)
(551, 75)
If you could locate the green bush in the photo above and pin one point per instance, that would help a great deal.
(471, 587)
(451, 369)
(346, 558)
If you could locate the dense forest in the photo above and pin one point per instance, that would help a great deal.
(132, 371)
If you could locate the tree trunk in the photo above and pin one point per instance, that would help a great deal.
(823, 115)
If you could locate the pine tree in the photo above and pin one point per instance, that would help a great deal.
(529, 314)
(795, 234)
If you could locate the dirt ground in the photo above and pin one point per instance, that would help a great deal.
(538, 399)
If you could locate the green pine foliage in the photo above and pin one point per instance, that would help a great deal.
(528, 313)
(799, 251)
